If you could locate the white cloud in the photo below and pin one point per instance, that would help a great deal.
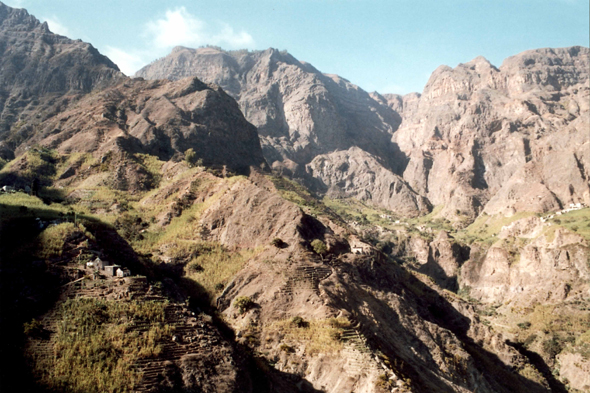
(179, 27)
(56, 26)
(128, 61)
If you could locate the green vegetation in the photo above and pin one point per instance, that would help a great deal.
(319, 247)
(299, 322)
(50, 242)
(151, 164)
(243, 304)
(485, 228)
(33, 328)
(294, 192)
(354, 210)
(96, 344)
(278, 243)
(577, 221)
(218, 266)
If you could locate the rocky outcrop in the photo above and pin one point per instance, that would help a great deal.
(358, 174)
(529, 264)
(299, 112)
(41, 73)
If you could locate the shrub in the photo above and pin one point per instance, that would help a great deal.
(553, 346)
(299, 322)
(319, 247)
(529, 340)
(383, 382)
(219, 286)
(243, 304)
(195, 267)
(33, 328)
(278, 243)
(286, 348)
(524, 325)
(190, 157)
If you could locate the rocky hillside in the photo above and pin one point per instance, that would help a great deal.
(467, 143)
(300, 112)
(41, 73)
(46, 79)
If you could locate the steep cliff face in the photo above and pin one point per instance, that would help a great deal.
(530, 264)
(299, 112)
(41, 72)
(515, 137)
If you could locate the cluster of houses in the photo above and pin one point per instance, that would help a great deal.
(573, 207)
(12, 190)
(98, 265)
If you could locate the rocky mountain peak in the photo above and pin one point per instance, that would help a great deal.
(19, 19)
(39, 69)
(553, 69)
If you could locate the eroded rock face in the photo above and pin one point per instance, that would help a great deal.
(358, 174)
(299, 112)
(527, 266)
(478, 138)
(516, 137)
(41, 73)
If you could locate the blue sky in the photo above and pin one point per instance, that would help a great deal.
(391, 46)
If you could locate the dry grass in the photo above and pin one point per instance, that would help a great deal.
(152, 164)
(318, 336)
(50, 242)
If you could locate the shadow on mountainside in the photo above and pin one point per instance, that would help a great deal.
(30, 287)
(538, 361)
(392, 337)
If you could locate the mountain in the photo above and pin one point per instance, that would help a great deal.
(502, 140)
(45, 85)
(466, 143)
(41, 73)
(147, 247)
(300, 114)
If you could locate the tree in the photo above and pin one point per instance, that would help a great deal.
(319, 247)
(190, 157)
